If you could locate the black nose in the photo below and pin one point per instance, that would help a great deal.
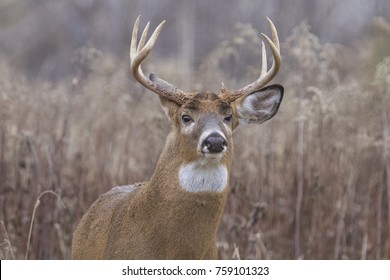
(214, 143)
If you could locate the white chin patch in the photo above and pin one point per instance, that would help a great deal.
(210, 156)
(195, 177)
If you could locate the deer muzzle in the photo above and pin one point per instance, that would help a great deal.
(214, 143)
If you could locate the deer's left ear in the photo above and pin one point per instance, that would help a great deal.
(259, 106)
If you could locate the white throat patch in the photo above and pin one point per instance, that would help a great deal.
(194, 177)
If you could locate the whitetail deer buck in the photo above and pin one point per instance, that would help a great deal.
(176, 214)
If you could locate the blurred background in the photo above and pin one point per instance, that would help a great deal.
(312, 183)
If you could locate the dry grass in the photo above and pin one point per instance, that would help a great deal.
(312, 183)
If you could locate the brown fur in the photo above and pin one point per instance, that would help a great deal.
(159, 219)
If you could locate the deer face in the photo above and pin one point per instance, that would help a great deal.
(204, 124)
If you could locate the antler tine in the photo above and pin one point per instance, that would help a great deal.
(266, 75)
(264, 65)
(133, 43)
(275, 37)
(141, 43)
(138, 55)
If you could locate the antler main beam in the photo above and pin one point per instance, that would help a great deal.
(266, 75)
(138, 55)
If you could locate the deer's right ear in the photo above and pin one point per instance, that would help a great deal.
(259, 106)
(169, 107)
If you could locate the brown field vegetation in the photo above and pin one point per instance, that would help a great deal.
(312, 183)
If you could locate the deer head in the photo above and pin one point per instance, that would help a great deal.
(203, 122)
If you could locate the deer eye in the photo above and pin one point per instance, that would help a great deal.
(186, 119)
(228, 118)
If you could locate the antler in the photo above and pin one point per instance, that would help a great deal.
(166, 90)
(265, 75)
(139, 53)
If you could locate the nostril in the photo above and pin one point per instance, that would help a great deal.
(214, 143)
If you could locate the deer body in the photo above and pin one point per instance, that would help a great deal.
(176, 214)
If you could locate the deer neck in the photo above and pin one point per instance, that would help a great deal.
(176, 176)
(199, 192)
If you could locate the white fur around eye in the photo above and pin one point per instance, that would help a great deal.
(188, 129)
(194, 177)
